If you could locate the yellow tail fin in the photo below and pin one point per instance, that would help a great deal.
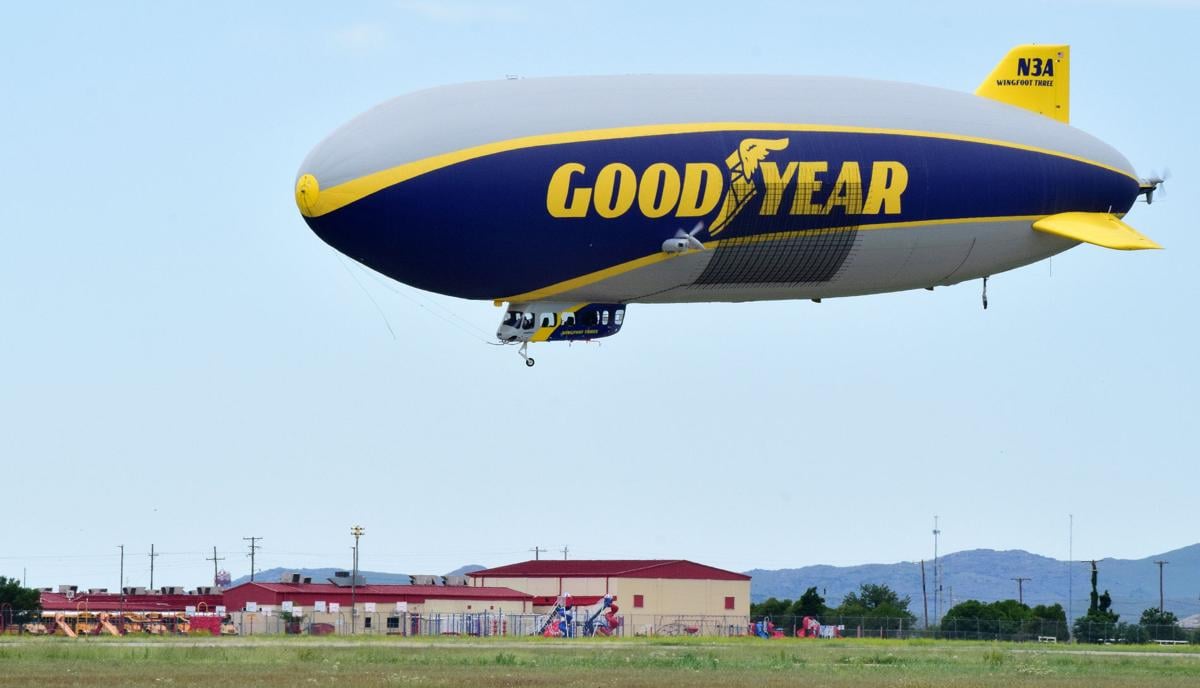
(1034, 77)
(1101, 229)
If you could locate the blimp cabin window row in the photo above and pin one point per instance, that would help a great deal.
(527, 321)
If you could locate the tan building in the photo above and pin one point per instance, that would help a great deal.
(653, 595)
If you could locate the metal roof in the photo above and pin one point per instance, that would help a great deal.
(364, 593)
(610, 568)
(112, 602)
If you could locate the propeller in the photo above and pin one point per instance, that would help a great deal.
(1155, 183)
(685, 241)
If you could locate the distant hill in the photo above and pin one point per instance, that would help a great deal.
(321, 575)
(987, 575)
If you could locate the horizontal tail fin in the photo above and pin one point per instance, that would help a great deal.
(1034, 77)
(1101, 229)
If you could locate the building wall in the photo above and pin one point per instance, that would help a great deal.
(667, 596)
(267, 618)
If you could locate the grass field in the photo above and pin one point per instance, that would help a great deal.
(629, 663)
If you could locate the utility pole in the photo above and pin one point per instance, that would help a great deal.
(253, 547)
(214, 559)
(924, 595)
(564, 550)
(357, 532)
(537, 551)
(1160, 563)
(121, 587)
(937, 575)
(1020, 588)
(1070, 574)
(152, 556)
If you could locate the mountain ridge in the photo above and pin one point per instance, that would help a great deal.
(989, 575)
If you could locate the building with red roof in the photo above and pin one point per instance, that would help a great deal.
(415, 598)
(257, 606)
(140, 602)
(649, 592)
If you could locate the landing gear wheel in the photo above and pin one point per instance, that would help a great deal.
(523, 351)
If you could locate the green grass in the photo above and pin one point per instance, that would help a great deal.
(629, 663)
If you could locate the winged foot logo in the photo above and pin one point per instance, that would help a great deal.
(742, 164)
(815, 187)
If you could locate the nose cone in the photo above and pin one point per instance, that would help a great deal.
(313, 204)
(308, 193)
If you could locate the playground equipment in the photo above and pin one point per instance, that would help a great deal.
(603, 619)
(107, 625)
(765, 628)
(60, 624)
(600, 619)
(811, 628)
(560, 623)
(86, 623)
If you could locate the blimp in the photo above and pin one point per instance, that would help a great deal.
(568, 199)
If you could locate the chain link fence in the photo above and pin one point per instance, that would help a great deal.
(489, 624)
(1036, 630)
(485, 624)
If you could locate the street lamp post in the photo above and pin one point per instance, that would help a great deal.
(357, 532)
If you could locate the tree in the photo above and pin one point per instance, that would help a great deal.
(1158, 625)
(875, 607)
(974, 619)
(25, 603)
(1048, 620)
(770, 607)
(1100, 623)
(810, 604)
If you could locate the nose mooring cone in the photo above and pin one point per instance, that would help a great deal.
(307, 190)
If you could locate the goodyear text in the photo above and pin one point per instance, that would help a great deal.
(815, 187)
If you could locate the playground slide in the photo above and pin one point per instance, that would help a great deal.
(60, 621)
(107, 625)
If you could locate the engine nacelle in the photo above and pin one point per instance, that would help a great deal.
(675, 245)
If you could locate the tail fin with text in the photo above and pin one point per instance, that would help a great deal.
(1034, 77)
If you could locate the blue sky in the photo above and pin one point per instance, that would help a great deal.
(184, 363)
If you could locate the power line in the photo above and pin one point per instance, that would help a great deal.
(1160, 563)
(1021, 588)
(153, 556)
(1070, 576)
(357, 532)
(937, 574)
(924, 594)
(253, 548)
(214, 559)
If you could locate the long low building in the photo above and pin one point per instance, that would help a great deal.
(412, 598)
(133, 602)
(408, 609)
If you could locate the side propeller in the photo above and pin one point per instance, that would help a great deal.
(685, 241)
(1147, 187)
